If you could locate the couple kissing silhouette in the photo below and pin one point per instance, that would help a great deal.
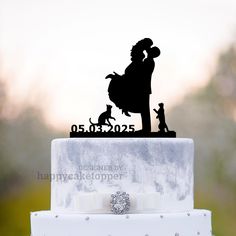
(131, 91)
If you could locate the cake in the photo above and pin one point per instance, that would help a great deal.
(122, 187)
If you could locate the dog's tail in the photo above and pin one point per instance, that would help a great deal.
(91, 122)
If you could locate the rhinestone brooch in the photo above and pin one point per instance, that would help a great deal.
(120, 203)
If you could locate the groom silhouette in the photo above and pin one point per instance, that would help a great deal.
(148, 68)
(131, 91)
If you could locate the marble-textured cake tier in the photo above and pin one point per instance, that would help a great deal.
(157, 173)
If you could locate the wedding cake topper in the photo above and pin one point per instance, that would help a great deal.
(130, 92)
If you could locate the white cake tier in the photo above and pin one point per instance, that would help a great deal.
(193, 223)
(157, 173)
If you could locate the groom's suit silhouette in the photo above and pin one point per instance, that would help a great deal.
(148, 68)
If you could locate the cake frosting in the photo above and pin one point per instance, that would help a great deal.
(156, 173)
(194, 223)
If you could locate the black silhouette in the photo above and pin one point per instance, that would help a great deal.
(163, 128)
(161, 116)
(104, 117)
(130, 92)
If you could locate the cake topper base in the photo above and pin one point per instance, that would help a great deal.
(137, 134)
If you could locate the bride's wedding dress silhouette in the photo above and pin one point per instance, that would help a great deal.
(130, 91)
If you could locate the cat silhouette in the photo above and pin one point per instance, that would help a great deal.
(104, 117)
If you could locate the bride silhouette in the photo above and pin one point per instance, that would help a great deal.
(131, 91)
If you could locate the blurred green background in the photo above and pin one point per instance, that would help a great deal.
(208, 116)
